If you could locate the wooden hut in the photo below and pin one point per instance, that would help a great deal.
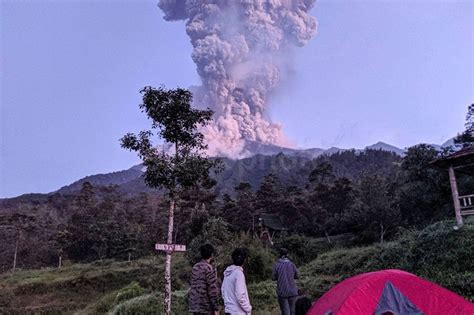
(269, 224)
(461, 161)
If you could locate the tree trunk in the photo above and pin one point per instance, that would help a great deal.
(168, 258)
(60, 261)
(327, 237)
(382, 233)
(14, 255)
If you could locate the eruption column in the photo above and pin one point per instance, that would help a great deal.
(241, 49)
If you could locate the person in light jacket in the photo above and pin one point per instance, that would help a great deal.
(234, 289)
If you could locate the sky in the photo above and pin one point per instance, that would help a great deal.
(401, 72)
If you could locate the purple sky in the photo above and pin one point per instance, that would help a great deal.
(394, 71)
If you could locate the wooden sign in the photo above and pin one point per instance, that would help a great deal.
(170, 247)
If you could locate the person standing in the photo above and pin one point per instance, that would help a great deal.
(204, 292)
(234, 289)
(285, 273)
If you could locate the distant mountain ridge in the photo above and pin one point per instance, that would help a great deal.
(236, 170)
(114, 178)
(386, 147)
(254, 148)
(261, 159)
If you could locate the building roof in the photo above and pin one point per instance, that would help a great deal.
(272, 221)
(462, 159)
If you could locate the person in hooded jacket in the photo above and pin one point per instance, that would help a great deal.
(234, 289)
(285, 273)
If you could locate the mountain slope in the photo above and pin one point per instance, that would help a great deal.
(386, 147)
(114, 178)
(286, 162)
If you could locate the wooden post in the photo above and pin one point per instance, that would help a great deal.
(454, 191)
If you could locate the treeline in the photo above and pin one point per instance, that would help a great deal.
(371, 194)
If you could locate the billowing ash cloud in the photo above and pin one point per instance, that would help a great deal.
(241, 50)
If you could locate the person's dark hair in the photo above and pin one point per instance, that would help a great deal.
(302, 305)
(283, 252)
(207, 251)
(239, 255)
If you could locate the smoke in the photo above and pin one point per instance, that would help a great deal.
(241, 50)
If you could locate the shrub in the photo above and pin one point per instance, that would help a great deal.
(152, 304)
(263, 297)
(303, 249)
(260, 260)
(215, 232)
(437, 253)
(344, 262)
(130, 291)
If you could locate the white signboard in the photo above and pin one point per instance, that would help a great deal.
(170, 247)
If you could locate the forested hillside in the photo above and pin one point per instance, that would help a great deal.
(370, 194)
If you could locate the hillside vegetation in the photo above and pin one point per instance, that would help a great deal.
(437, 253)
(368, 194)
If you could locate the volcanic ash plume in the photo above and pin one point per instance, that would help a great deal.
(241, 51)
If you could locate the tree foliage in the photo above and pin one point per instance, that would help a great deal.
(177, 123)
(466, 138)
(423, 191)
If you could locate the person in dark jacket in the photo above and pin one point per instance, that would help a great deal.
(285, 273)
(204, 292)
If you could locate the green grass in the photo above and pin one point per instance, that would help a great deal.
(80, 286)
(437, 253)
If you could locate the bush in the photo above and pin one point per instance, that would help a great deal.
(257, 267)
(302, 249)
(260, 260)
(130, 291)
(344, 262)
(263, 297)
(152, 304)
(437, 253)
(215, 232)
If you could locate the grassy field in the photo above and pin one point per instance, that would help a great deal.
(437, 253)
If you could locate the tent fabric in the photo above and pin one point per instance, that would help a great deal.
(394, 301)
(362, 294)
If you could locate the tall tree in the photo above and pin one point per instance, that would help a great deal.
(466, 138)
(269, 193)
(175, 122)
(423, 193)
(244, 216)
(376, 214)
(321, 174)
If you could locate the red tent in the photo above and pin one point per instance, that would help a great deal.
(389, 292)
